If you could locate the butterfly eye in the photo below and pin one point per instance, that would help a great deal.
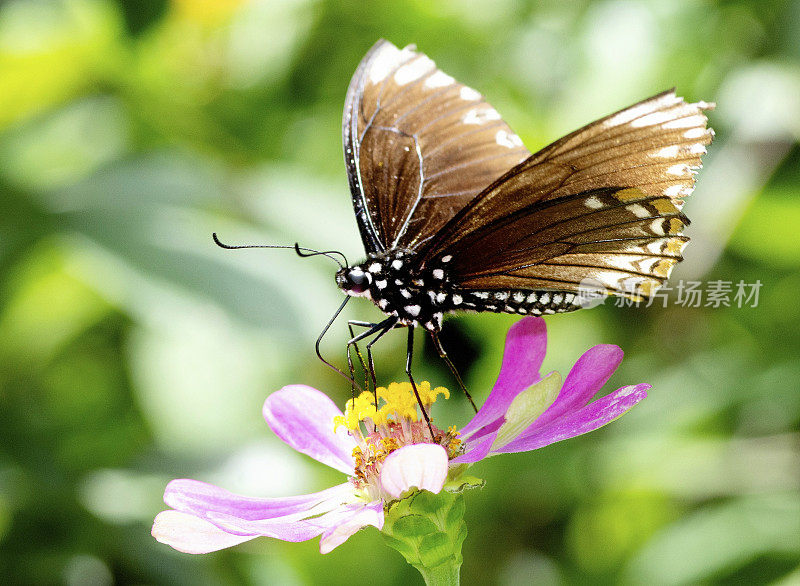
(353, 280)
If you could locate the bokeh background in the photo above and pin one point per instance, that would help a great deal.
(133, 351)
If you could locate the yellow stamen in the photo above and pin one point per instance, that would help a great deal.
(399, 402)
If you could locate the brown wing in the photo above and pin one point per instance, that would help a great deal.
(418, 147)
(603, 202)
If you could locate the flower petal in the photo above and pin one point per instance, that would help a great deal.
(292, 528)
(358, 517)
(303, 418)
(527, 407)
(200, 498)
(420, 465)
(585, 379)
(589, 418)
(524, 352)
(191, 534)
(476, 450)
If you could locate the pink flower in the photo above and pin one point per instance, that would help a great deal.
(524, 411)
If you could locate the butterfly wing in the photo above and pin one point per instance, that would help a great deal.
(602, 203)
(418, 147)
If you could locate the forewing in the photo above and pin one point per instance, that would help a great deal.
(418, 147)
(532, 225)
(622, 239)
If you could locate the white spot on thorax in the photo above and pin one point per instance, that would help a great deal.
(438, 274)
(413, 309)
(397, 264)
(405, 293)
(457, 299)
(375, 267)
(440, 297)
(381, 284)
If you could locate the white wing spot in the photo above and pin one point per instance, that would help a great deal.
(695, 132)
(397, 264)
(638, 210)
(457, 299)
(667, 152)
(438, 274)
(440, 297)
(593, 203)
(481, 294)
(507, 139)
(698, 149)
(469, 94)
(532, 298)
(544, 299)
(641, 109)
(519, 297)
(652, 119)
(657, 227)
(687, 122)
(383, 63)
(405, 293)
(674, 190)
(480, 116)
(413, 309)
(447, 258)
(678, 169)
(382, 303)
(558, 298)
(413, 71)
(501, 295)
(438, 79)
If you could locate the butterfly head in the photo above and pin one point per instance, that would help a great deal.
(354, 281)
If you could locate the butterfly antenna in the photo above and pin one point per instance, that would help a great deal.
(300, 250)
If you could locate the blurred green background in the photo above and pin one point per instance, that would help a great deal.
(133, 351)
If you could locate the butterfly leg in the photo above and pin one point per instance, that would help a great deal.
(409, 359)
(379, 329)
(440, 349)
(350, 364)
(369, 367)
(322, 335)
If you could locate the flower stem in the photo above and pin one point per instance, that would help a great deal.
(428, 530)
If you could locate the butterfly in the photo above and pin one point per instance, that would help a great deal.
(456, 214)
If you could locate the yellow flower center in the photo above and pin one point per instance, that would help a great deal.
(394, 423)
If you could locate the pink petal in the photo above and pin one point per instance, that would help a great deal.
(423, 466)
(589, 418)
(200, 498)
(526, 344)
(476, 450)
(295, 529)
(359, 517)
(587, 377)
(191, 534)
(303, 418)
